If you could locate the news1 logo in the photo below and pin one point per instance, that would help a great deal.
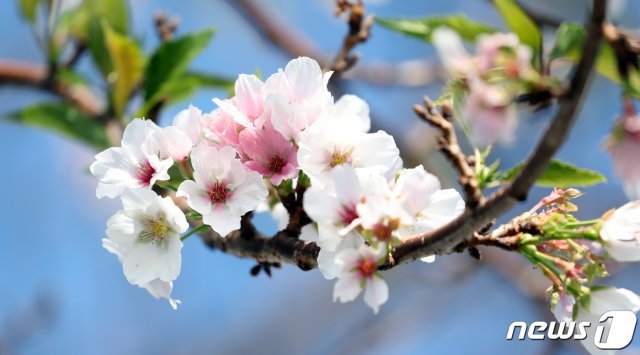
(614, 330)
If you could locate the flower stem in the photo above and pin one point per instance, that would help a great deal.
(193, 231)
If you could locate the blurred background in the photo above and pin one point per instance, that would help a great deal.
(61, 292)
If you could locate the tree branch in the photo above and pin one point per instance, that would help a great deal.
(446, 238)
(448, 144)
(286, 38)
(247, 242)
(359, 32)
(461, 232)
(39, 77)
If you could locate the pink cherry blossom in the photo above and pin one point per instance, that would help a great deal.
(220, 129)
(297, 96)
(490, 114)
(623, 146)
(247, 106)
(266, 151)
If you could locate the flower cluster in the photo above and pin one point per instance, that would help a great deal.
(240, 157)
(571, 254)
(492, 79)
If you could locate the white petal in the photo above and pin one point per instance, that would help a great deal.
(375, 151)
(197, 198)
(148, 261)
(353, 111)
(613, 299)
(222, 220)
(161, 289)
(429, 259)
(123, 229)
(347, 288)
(176, 143)
(320, 206)
(376, 293)
(304, 75)
(247, 196)
(189, 121)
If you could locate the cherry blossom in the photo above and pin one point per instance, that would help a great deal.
(325, 145)
(333, 207)
(138, 163)
(359, 270)
(624, 147)
(266, 151)
(504, 51)
(297, 96)
(490, 113)
(223, 189)
(621, 232)
(147, 232)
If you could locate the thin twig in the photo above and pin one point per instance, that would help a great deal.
(359, 32)
(448, 144)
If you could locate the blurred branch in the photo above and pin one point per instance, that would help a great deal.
(289, 40)
(40, 77)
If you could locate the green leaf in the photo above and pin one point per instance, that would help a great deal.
(423, 28)
(63, 118)
(29, 9)
(184, 86)
(86, 23)
(128, 62)
(171, 60)
(114, 12)
(560, 174)
(569, 40)
(520, 23)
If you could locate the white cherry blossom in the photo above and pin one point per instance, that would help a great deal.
(358, 271)
(326, 145)
(333, 207)
(223, 189)
(147, 232)
(137, 163)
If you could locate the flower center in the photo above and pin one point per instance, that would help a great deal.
(155, 230)
(339, 157)
(145, 172)
(276, 164)
(383, 231)
(218, 192)
(367, 268)
(348, 214)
